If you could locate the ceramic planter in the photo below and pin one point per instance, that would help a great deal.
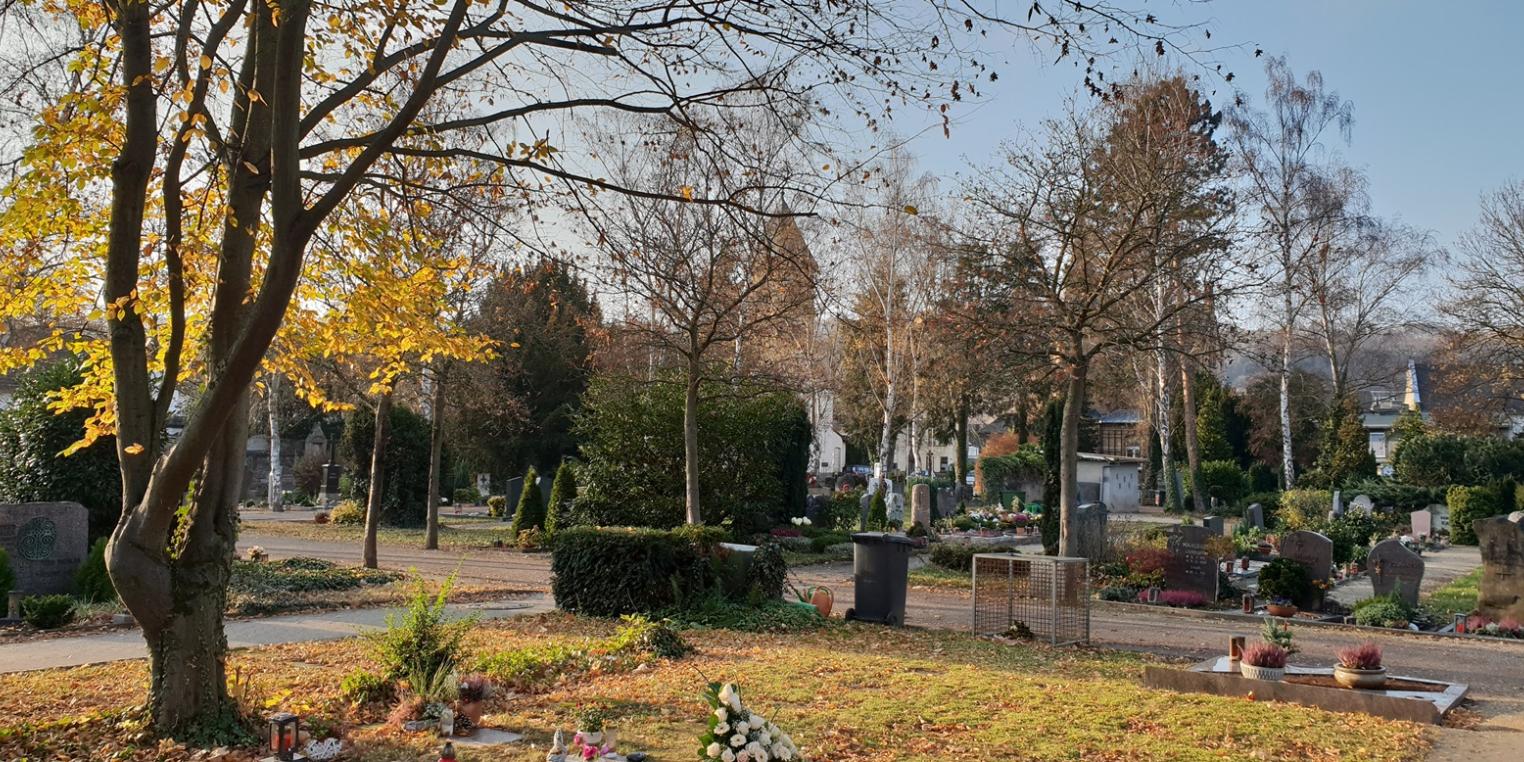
(1273, 674)
(1282, 610)
(1364, 679)
(591, 737)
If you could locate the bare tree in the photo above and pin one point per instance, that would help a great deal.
(1488, 304)
(1280, 149)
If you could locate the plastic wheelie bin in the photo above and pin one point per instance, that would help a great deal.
(880, 571)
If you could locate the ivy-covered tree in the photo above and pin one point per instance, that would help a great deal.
(405, 464)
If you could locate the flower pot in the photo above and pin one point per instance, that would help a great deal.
(591, 737)
(1243, 564)
(822, 599)
(1273, 674)
(1283, 610)
(1363, 679)
(473, 711)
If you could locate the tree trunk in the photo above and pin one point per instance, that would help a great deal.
(1288, 462)
(1188, 422)
(436, 452)
(960, 440)
(377, 477)
(274, 495)
(690, 446)
(1069, 454)
(1166, 426)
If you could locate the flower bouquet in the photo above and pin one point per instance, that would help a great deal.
(737, 735)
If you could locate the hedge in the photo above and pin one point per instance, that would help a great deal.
(610, 571)
(1468, 504)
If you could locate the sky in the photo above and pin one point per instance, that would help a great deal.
(1436, 88)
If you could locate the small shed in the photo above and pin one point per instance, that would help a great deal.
(1109, 479)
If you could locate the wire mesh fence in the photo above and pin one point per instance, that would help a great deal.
(1048, 596)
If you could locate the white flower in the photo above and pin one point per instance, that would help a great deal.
(721, 715)
(756, 751)
(714, 750)
(728, 756)
(781, 751)
(722, 728)
(726, 693)
(757, 723)
(764, 738)
(735, 701)
(806, 520)
(742, 756)
(738, 740)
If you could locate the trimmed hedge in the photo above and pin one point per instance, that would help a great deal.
(1468, 504)
(610, 571)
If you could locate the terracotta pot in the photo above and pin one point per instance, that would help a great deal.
(473, 711)
(822, 600)
(1273, 674)
(1363, 679)
(1285, 611)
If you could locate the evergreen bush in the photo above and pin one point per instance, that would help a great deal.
(562, 492)
(47, 612)
(610, 571)
(92, 583)
(531, 509)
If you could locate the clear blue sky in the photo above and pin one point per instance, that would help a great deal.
(1437, 91)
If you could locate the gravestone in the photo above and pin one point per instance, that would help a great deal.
(947, 502)
(920, 505)
(1255, 516)
(1363, 504)
(1422, 522)
(894, 508)
(1441, 514)
(1501, 539)
(484, 486)
(864, 509)
(330, 492)
(46, 543)
(1089, 527)
(1190, 567)
(514, 491)
(1213, 524)
(546, 481)
(1315, 553)
(815, 507)
(1394, 567)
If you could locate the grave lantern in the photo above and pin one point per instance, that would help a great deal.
(285, 729)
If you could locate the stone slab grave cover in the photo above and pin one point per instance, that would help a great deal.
(1190, 566)
(1089, 527)
(1255, 516)
(1363, 504)
(1315, 553)
(1422, 522)
(1501, 539)
(1394, 567)
(1213, 523)
(920, 505)
(46, 543)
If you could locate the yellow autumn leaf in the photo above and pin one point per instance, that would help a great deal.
(133, 449)
(687, 192)
(910, 209)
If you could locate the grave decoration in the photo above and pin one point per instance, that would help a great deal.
(736, 734)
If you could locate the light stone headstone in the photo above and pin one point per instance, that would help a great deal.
(1255, 515)
(1422, 522)
(1315, 553)
(1501, 539)
(1441, 514)
(1190, 567)
(894, 508)
(484, 485)
(1394, 567)
(1089, 527)
(920, 505)
(864, 509)
(1338, 506)
(1363, 504)
(46, 543)
(1213, 524)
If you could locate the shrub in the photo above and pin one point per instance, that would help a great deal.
(529, 539)
(613, 571)
(91, 582)
(365, 687)
(820, 543)
(1221, 479)
(562, 492)
(1303, 508)
(643, 635)
(422, 646)
(347, 513)
(1277, 632)
(769, 572)
(1468, 504)
(1284, 578)
(844, 512)
(466, 496)
(1267, 655)
(7, 577)
(1349, 532)
(1363, 656)
(533, 668)
(1262, 478)
(1383, 611)
(717, 612)
(47, 612)
(404, 494)
(1120, 593)
(959, 556)
(1189, 599)
(497, 505)
(878, 511)
(321, 517)
(1403, 497)
(531, 509)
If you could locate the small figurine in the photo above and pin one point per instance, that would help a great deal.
(557, 748)
(447, 754)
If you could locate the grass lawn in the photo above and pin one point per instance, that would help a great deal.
(455, 532)
(849, 692)
(936, 576)
(1458, 597)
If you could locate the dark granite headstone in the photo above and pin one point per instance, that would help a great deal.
(1089, 528)
(947, 502)
(514, 491)
(1315, 553)
(1213, 524)
(1501, 539)
(1255, 516)
(46, 543)
(1190, 567)
(1394, 567)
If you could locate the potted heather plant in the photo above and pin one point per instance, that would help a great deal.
(1263, 661)
(1360, 667)
(475, 689)
(590, 722)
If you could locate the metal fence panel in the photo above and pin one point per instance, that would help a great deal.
(1049, 595)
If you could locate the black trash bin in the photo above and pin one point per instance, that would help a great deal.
(880, 571)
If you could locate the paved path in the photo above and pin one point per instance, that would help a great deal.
(296, 628)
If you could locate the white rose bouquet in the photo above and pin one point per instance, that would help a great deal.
(737, 735)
